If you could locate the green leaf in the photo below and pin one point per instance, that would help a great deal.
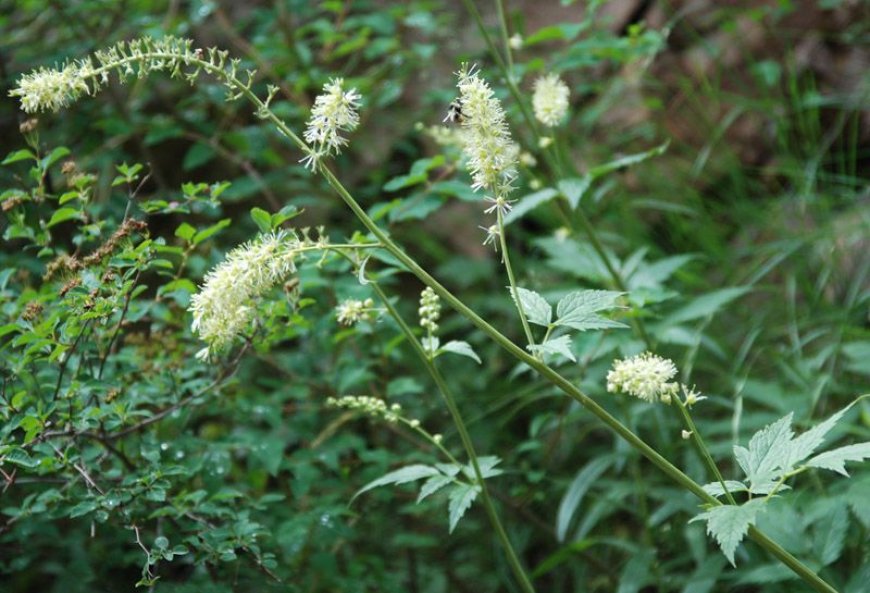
(18, 155)
(707, 304)
(528, 203)
(404, 475)
(578, 310)
(627, 161)
(199, 154)
(62, 215)
(8, 329)
(829, 534)
(208, 232)
(561, 346)
(21, 458)
(284, 214)
(486, 464)
(715, 488)
(728, 524)
(262, 218)
(185, 231)
(433, 485)
(836, 459)
(461, 496)
(804, 445)
(536, 307)
(161, 543)
(574, 188)
(581, 483)
(768, 449)
(462, 348)
(54, 156)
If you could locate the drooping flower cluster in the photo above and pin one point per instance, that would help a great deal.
(646, 376)
(334, 111)
(430, 310)
(352, 311)
(49, 89)
(492, 155)
(226, 302)
(550, 100)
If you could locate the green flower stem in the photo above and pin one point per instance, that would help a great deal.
(701, 447)
(510, 272)
(502, 22)
(464, 436)
(544, 370)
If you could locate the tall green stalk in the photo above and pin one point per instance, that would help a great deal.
(464, 436)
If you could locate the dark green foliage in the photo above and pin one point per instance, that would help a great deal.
(126, 460)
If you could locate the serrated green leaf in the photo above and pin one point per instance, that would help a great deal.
(462, 348)
(486, 464)
(433, 485)
(805, 444)
(768, 449)
(561, 346)
(715, 488)
(575, 188)
(460, 496)
(21, 458)
(578, 310)
(835, 459)
(536, 307)
(404, 475)
(262, 219)
(728, 524)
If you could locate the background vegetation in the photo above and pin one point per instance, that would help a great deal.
(744, 246)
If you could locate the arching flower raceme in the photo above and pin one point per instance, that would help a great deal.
(225, 304)
(486, 142)
(645, 376)
(334, 111)
(550, 100)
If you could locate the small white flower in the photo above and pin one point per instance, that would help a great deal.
(492, 155)
(334, 111)
(550, 100)
(516, 42)
(686, 434)
(646, 376)
(492, 235)
(352, 311)
(225, 304)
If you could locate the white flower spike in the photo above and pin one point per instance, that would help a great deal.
(550, 100)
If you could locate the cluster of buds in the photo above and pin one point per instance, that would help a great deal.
(372, 406)
(352, 311)
(649, 377)
(430, 310)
